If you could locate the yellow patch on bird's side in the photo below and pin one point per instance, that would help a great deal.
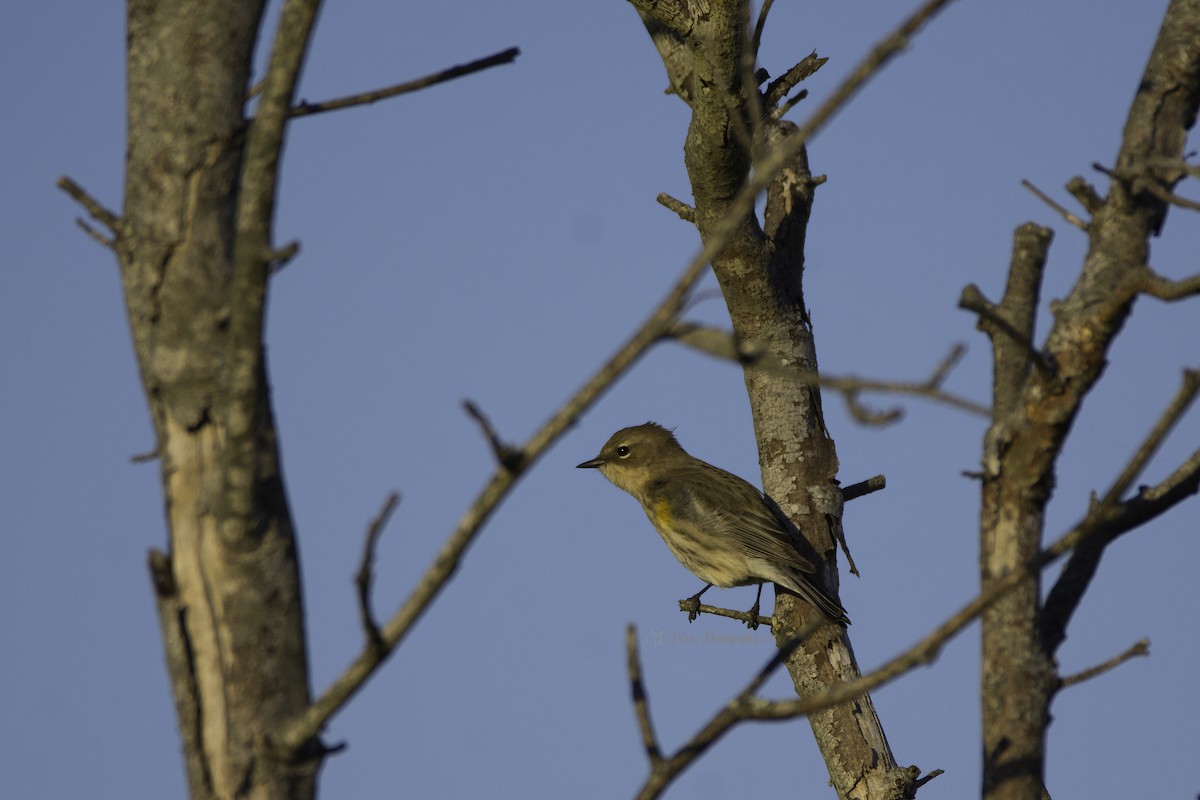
(661, 509)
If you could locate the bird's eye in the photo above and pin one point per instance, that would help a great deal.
(622, 452)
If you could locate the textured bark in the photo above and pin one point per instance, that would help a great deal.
(228, 590)
(760, 273)
(1033, 418)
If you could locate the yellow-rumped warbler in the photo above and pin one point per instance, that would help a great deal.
(719, 526)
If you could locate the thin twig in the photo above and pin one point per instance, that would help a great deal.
(741, 616)
(304, 109)
(366, 571)
(759, 26)
(142, 458)
(511, 458)
(641, 702)
(280, 258)
(1178, 406)
(723, 344)
(927, 778)
(1072, 582)
(946, 366)
(90, 204)
(781, 110)
(105, 241)
(665, 770)
(686, 213)
(1062, 211)
(1139, 648)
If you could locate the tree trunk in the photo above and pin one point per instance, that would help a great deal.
(1036, 399)
(760, 273)
(228, 590)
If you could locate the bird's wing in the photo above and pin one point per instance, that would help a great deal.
(754, 526)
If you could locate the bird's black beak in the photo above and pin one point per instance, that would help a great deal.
(593, 464)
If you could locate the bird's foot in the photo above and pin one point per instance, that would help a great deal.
(752, 622)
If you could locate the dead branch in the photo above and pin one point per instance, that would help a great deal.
(1139, 648)
(1169, 290)
(694, 608)
(863, 488)
(664, 770)
(1085, 193)
(1116, 517)
(686, 213)
(305, 109)
(641, 703)
(1178, 406)
(509, 457)
(1060, 209)
(779, 88)
(972, 299)
(723, 344)
(96, 210)
(366, 571)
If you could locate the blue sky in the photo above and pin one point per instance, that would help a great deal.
(496, 238)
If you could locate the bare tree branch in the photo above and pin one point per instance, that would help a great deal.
(779, 88)
(1085, 193)
(863, 488)
(1178, 406)
(664, 770)
(95, 209)
(694, 608)
(759, 26)
(1063, 212)
(252, 258)
(641, 702)
(108, 242)
(1068, 590)
(723, 344)
(972, 299)
(366, 571)
(281, 257)
(1139, 648)
(686, 213)
(305, 109)
(1166, 289)
(511, 458)
(1143, 179)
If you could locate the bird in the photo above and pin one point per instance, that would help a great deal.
(722, 528)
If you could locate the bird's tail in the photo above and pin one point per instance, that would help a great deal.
(814, 595)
